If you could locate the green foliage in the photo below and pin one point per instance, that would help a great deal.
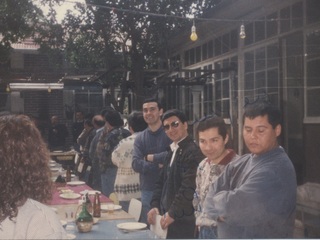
(17, 22)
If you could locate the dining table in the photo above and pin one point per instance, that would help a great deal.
(106, 226)
(66, 158)
(111, 229)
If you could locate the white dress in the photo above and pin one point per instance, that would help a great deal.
(34, 221)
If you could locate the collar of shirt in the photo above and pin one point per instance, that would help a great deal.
(175, 145)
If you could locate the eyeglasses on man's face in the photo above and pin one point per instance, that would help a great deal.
(174, 124)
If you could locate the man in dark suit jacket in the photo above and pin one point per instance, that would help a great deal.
(172, 197)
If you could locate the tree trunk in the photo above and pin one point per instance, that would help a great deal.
(138, 78)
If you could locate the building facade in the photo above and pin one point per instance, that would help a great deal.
(279, 60)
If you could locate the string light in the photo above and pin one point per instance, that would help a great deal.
(8, 88)
(49, 89)
(193, 36)
(242, 33)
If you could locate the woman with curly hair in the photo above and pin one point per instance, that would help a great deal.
(25, 182)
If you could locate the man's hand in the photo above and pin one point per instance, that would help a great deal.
(166, 220)
(152, 215)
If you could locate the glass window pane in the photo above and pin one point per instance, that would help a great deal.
(249, 34)
(218, 108)
(198, 54)
(313, 96)
(285, 19)
(186, 58)
(225, 89)
(217, 67)
(96, 102)
(297, 15)
(273, 80)
(313, 73)
(218, 90)
(260, 59)
(261, 82)
(249, 62)
(259, 30)
(312, 14)
(225, 64)
(217, 46)
(249, 81)
(272, 56)
(234, 39)
(210, 49)
(192, 56)
(225, 43)
(313, 46)
(205, 51)
(272, 24)
(225, 109)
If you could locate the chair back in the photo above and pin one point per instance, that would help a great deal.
(114, 198)
(135, 207)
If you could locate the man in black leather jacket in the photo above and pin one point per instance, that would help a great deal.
(172, 197)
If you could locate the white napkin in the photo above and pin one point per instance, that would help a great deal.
(157, 230)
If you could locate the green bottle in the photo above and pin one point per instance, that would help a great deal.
(85, 220)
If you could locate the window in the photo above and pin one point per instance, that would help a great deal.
(313, 74)
(297, 15)
(272, 24)
(285, 19)
(222, 88)
(312, 12)
(210, 49)
(89, 101)
(261, 73)
(259, 30)
(198, 54)
(205, 51)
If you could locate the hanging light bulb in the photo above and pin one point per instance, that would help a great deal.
(8, 88)
(242, 32)
(49, 89)
(193, 36)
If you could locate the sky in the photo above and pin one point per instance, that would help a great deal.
(62, 9)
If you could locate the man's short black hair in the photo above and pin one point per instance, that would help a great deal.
(147, 100)
(174, 112)
(262, 108)
(136, 121)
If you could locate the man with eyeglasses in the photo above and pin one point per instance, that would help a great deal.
(174, 190)
(149, 152)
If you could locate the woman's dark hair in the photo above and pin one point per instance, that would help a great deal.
(174, 112)
(137, 122)
(24, 165)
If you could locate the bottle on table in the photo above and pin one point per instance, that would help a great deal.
(96, 205)
(68, 174)
(88, 203)
(84, 220)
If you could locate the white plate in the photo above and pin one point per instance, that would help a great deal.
(54, 169)
(52, 164)
(90, 192)
(63, 223)
(95, 220)
(70, 195)
(75, 183)
(130, 226)
(71, 236)
(106, 207)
